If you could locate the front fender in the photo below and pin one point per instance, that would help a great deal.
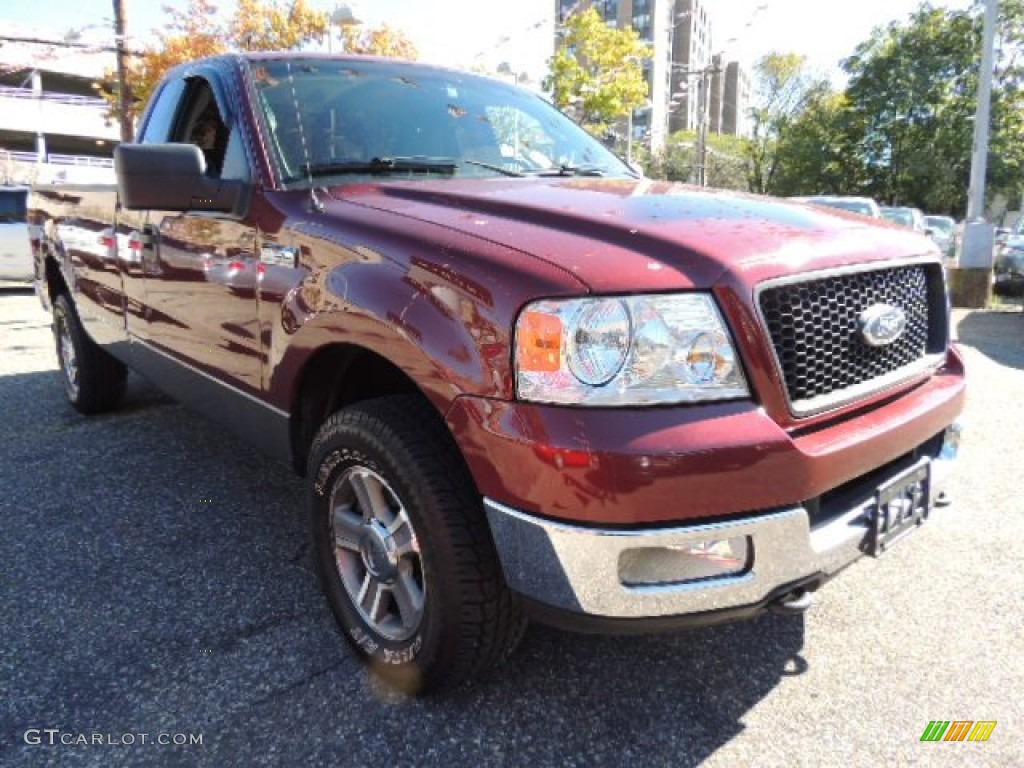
(440, 332)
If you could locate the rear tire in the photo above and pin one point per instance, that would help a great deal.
(93, 380)
(402, 547)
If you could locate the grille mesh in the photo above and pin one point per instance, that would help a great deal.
(815, 329)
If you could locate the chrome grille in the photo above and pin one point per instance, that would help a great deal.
(815, 331)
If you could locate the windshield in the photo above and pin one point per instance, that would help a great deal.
(12, 206)
(899, 216)
(1011, 261)
(939, 224)
(847, 205)
(346, 118)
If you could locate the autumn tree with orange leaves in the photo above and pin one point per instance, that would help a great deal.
(383, 41)
(256, 25)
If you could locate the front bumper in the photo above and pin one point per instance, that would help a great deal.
(579, 571)
(637, 467)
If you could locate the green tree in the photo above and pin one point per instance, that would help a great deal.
(912, 92)
(728, 163)
(784, 86)
(818, 152)
(913, 87)
(597, 71)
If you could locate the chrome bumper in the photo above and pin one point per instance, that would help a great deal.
(579, 569)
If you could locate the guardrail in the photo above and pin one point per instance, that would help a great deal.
(21, 157)
(57, 98)
(24, 168)
(80, 161)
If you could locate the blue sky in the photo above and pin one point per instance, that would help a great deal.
(464, 32)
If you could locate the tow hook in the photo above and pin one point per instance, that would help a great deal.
(793, 603)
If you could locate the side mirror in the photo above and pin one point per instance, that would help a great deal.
(171, 177)
(929, 231)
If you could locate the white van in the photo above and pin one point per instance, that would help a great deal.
(15, 253)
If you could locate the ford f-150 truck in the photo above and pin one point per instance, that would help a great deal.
(519, 379)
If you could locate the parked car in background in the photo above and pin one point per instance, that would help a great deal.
(15, 253)
(908, 217)
(943, 232)
(1009, 268)
(862, 205)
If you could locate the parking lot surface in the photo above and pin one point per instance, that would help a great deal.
(157, 582)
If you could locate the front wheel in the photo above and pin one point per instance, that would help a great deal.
(93, 380)
(402, 547)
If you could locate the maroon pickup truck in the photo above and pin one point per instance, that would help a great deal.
(519, 379)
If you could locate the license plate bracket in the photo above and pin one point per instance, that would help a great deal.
(902, 504)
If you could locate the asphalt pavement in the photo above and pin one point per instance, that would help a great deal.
(160, 608)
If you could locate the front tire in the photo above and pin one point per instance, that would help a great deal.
(93, 380)
(402, 547)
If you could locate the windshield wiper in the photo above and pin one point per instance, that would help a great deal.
(572, 170)
(383, 166)
(495, 168)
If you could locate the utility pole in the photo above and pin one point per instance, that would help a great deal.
(123, 95)
(971, 285)
(979, 158)
(700, 163)
(698, 158)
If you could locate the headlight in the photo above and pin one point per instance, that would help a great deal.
(635, 350)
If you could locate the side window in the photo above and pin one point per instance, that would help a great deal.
(161, 117)
(201, 123)
(236, 164)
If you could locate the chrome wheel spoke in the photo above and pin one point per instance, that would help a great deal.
(347, 527)
(409, 598)
(372, 599)
(67, 353)
(370, 494)
(404, 536)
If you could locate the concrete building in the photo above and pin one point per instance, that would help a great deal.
(716, 103)
(52, 125)
(684, 63)
(691, 56)
(736, 101)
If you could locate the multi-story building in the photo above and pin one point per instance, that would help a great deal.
(692, 52)
(736, 101)
(684, 64)
(716, 97)
(52, 124)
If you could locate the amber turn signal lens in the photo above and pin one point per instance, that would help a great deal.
(539, 342)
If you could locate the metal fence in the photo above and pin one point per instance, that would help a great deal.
(26, 168)
(56, 98)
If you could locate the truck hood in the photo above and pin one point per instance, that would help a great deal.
(642, 235)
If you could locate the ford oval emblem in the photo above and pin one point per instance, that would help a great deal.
(882, 324)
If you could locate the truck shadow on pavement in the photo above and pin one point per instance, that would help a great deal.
(998, 334)
(159, 580)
